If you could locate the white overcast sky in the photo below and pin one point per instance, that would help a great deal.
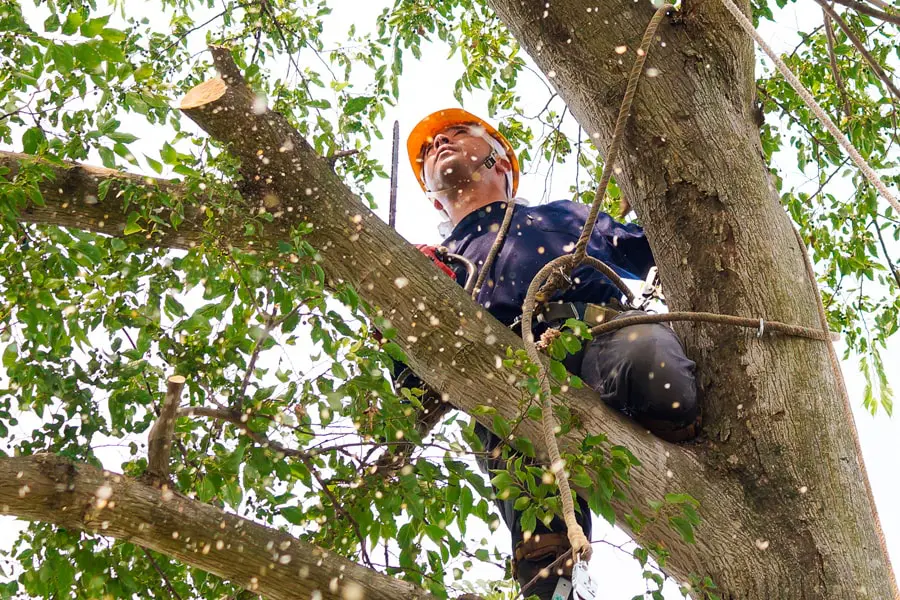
(428, 86)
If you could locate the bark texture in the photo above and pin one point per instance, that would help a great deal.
(264, 560)
(776, 424)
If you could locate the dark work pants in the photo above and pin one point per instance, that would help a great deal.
(640, 370)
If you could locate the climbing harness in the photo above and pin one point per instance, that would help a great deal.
(555, 276)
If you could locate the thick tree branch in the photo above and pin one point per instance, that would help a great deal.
(72, 198)
(862, 7)
(159, 441)
(263, 560)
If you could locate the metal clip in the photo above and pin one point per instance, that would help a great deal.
(650, 289)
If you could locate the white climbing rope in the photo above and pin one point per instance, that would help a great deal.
(868, 171)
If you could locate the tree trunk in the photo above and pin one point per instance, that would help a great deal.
(264, 560)
(776, 422)
(780, 481)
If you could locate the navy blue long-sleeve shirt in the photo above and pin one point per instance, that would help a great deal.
(536, 236)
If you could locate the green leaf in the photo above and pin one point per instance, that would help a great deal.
(92, 27)
(90, 251)
(73, 21)
(174, 307)
(683, 527)
(557, 370)
(87, 56)
(32, 139)
(121, 137)
(501, 427)
(358, 104)
(110, 51)
(107, 156)
(63, 57)
(293, 515)
(114, 36)
(131, 224)
(10, 355)
(168, 154)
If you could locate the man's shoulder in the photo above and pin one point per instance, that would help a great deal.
(560, 209)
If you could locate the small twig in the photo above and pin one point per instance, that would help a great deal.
(870, 60)
(240, 420)
(339, 508)
(162, 574)
(887, 257)
(332, 159)
(258, 37)
(192, 30)
(865, 9)
(555, 564)
(829, 178)
(806, 37)
(159, 444)
(832, 59)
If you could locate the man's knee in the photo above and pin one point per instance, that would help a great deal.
(661, 377)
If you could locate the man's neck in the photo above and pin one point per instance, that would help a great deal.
(467, 201)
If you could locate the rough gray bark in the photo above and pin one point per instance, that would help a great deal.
(780, 480)
(775, 421)
(264, 560)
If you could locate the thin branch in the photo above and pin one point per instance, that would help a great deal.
(887, 257)
(873, 64)
(881, 4)
(333, 158)
(240, 420)
(832, 59)
(865, 9)
(339, 508)
(805, 39)
(162, 574)
(829, 178)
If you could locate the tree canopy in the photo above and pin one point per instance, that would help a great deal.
(295, 407)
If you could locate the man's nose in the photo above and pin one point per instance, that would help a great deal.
(439, 140)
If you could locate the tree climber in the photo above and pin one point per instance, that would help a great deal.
(470, 172)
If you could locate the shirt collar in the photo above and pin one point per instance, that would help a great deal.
(493, 212)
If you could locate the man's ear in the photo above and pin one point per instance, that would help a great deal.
(503, 165)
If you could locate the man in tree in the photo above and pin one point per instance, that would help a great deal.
(470, 172)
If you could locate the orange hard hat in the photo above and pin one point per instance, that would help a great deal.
(424, 132)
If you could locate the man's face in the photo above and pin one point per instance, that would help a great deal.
(453, 157)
